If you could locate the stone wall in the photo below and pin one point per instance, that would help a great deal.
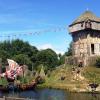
(89, 61)
(82, 43)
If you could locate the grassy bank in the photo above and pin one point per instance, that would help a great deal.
(89, 74)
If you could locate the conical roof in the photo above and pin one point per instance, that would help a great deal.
(87, 15)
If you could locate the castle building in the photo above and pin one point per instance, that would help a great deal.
(85, 32)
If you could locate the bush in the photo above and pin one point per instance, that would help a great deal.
(98, 62)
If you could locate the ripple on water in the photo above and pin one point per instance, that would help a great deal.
(53, 94)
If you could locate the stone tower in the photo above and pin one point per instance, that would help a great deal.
(85, 32)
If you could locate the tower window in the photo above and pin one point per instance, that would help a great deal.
(81, 24)
(92, 48)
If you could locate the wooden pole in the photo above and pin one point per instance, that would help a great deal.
(23, 72)
(1, 69)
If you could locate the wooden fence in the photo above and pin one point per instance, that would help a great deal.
(12, 98)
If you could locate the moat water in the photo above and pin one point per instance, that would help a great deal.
(52, 94)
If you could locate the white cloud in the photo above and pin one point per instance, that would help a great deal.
(45, 46)
(48, 45)
(59, 52)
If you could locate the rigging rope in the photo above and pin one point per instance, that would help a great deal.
(20, 34)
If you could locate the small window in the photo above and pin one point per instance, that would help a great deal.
(81, 24)
(92, 48)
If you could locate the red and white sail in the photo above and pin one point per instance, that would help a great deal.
(12, 64)
(13, 71)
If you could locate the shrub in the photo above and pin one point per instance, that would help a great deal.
(98, 62)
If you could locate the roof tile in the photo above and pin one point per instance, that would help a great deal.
(87, 15)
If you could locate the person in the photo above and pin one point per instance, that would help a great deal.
(80, 64)
(73, 68)
(78, 71)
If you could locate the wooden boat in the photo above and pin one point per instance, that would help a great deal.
(29, 86)
(18, 87)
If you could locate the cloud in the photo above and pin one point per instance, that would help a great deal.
(48, 45)
(59, 52)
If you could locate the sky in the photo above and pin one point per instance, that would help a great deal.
(43, 23)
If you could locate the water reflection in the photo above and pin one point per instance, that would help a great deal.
(53, 94)
(29, 94)
(83, 96)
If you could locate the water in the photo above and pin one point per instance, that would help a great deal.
(53, 94)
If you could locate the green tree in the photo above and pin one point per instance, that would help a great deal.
(23, 59)
(48, 58)
(20, 47)
(69, 52)
(98, 62)
(4, 55)
(24, 53)
(62, 60)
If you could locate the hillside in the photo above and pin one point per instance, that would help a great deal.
(64, 77)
